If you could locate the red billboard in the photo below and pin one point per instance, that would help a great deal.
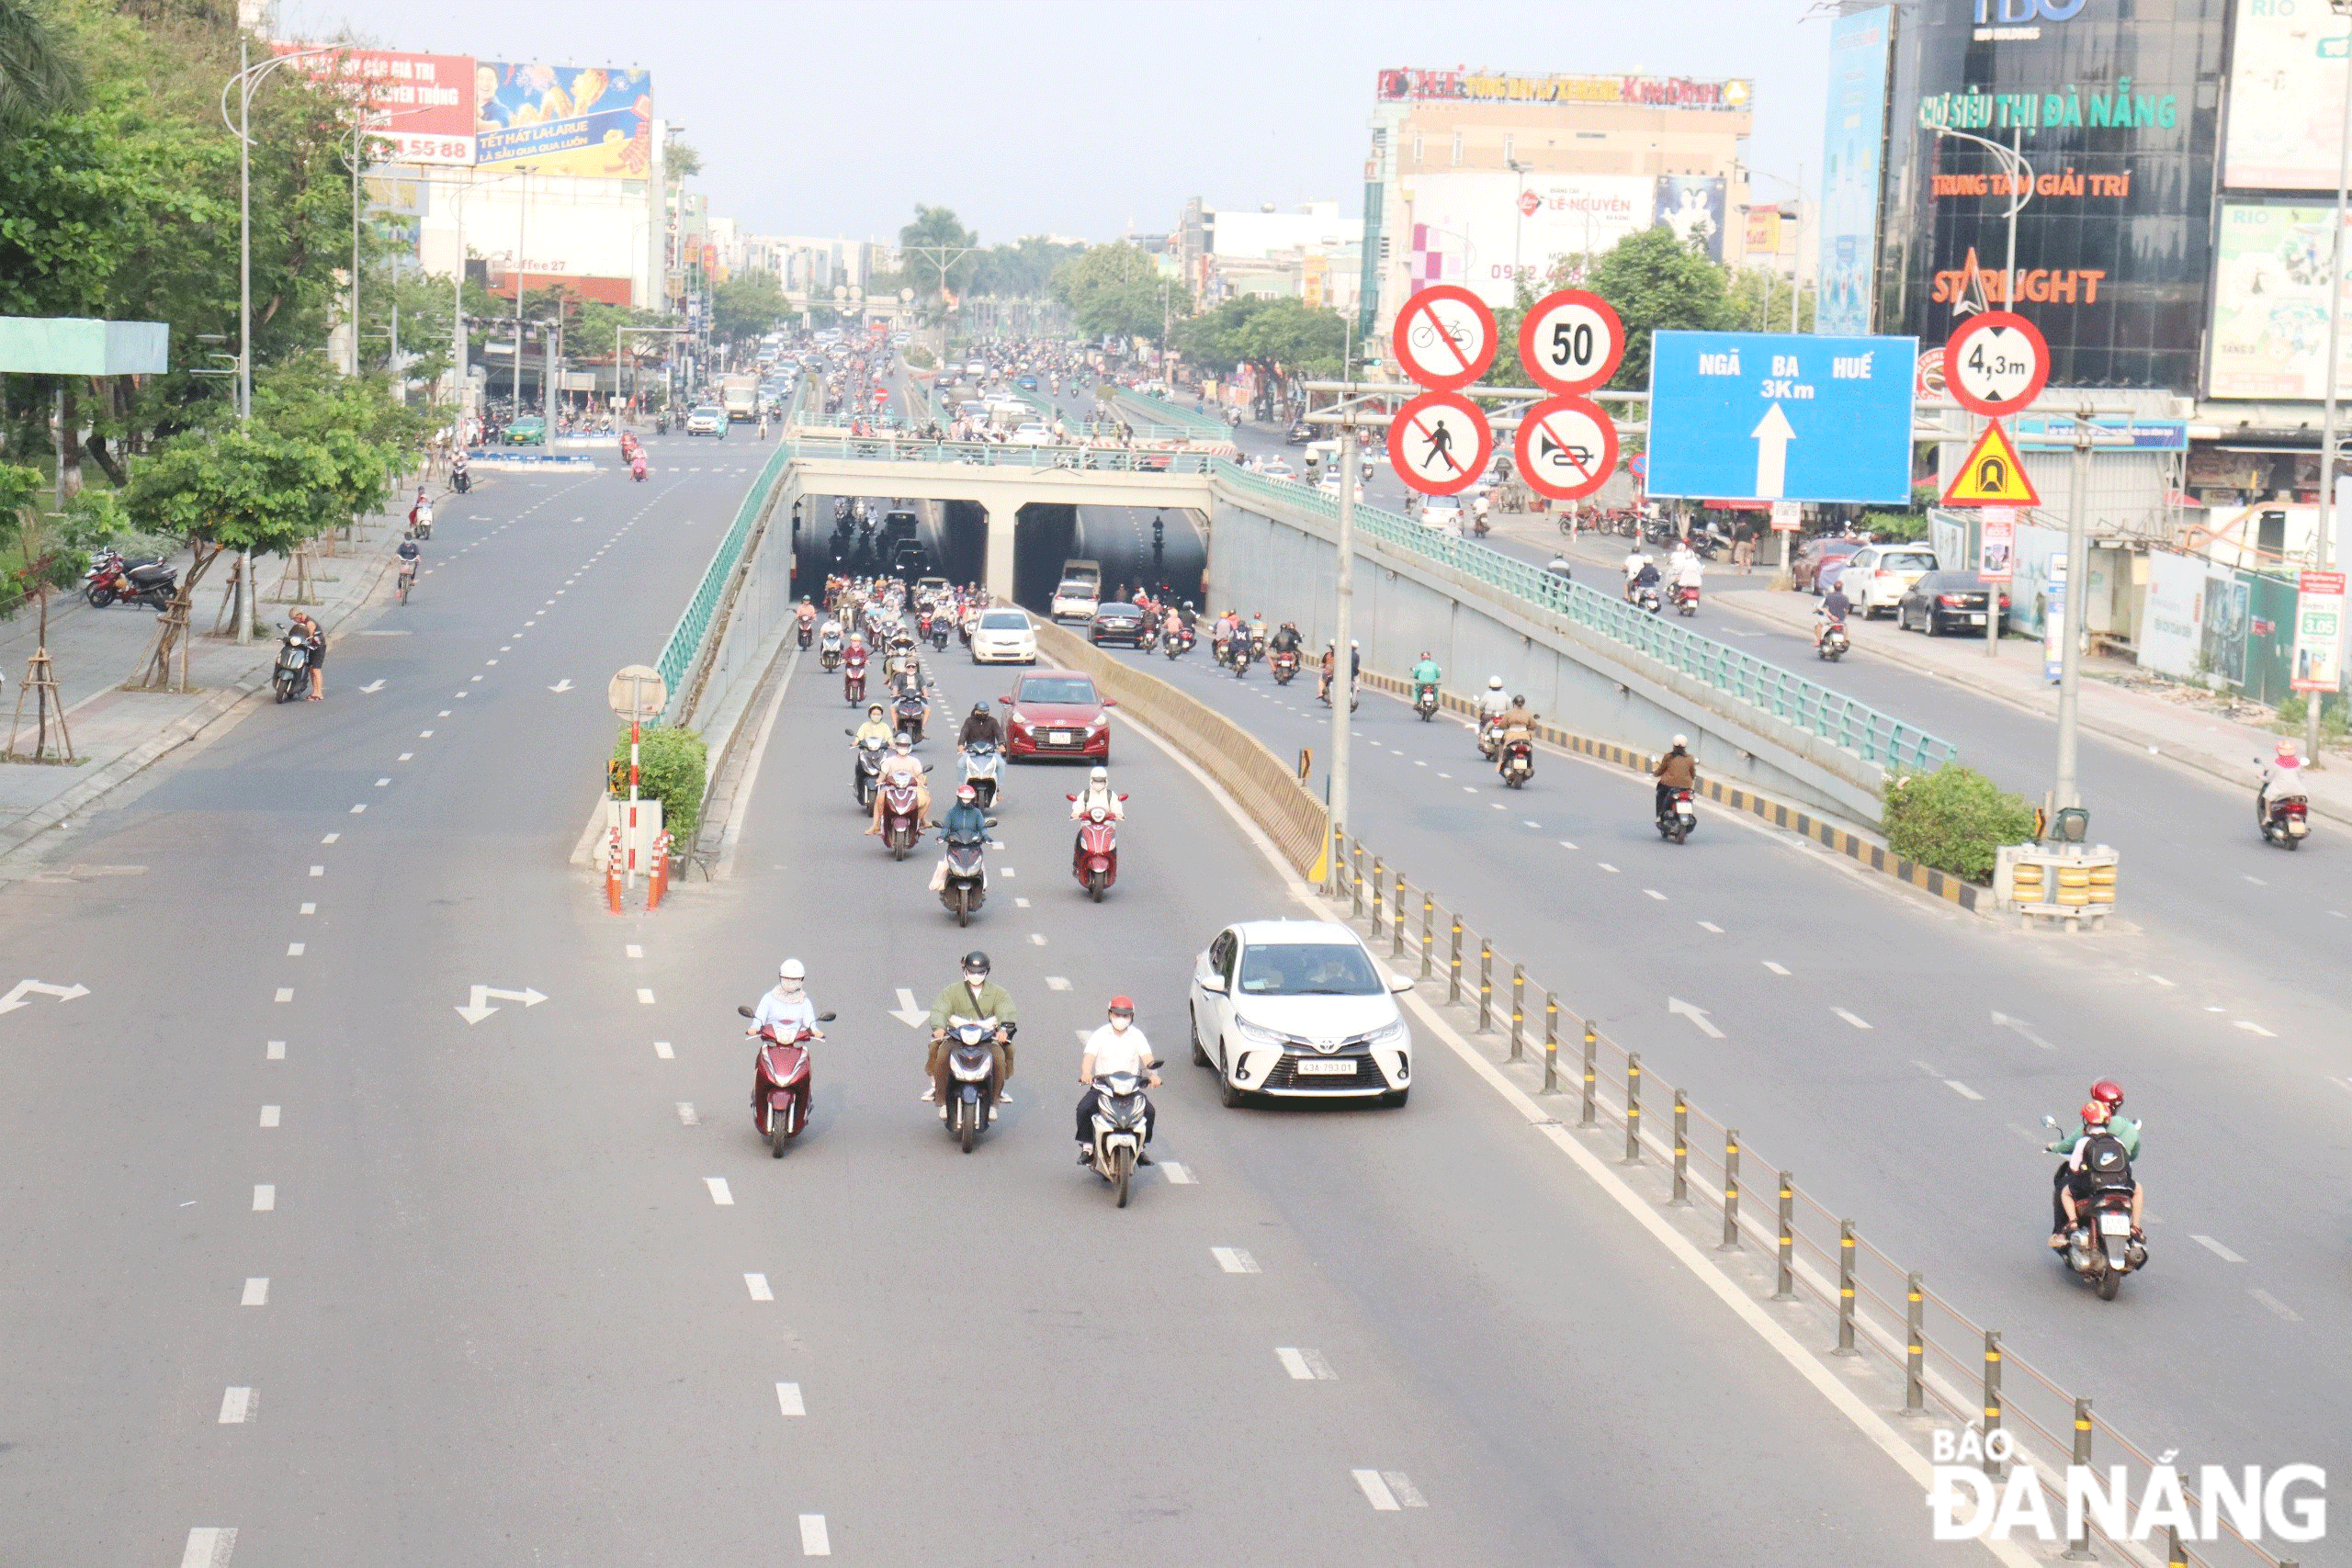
(422, 104)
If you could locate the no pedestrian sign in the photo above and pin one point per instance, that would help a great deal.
(1566, 447)
(1440, 443)
(1444, 336)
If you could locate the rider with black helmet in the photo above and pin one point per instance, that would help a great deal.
(972, 995)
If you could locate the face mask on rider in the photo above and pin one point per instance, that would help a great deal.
(1119, 1022)
(789, 988)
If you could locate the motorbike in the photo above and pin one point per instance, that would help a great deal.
(1425, 702)
(939, 633)
(828, 651)
(1355, 695)
(1181, 643)
(420, 522)
(2285, 819)
(898, 819)
(1147, 639)
(907, 712)
(1491, 735)
(636, 470)
(1258, 646)
(1686, 599)
(1647, 596)
(1516, 763)
(965, 885)
(1121, 1114)
(781, 1095)
(1240, 659)
(807, 631)
(461, 481)
(1833, 644)
(2101, 1250)
(291, 677)
(1285, 666)
(1679, 817)
(853, 678)
(110, 577)
(983, 767)
(867, 778)
(1094, 860)
(970, 1104)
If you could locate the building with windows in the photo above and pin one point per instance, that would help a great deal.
(1483, 178)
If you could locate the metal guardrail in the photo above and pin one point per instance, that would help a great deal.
(1001, 455)
(1194, 425)
(1260, 782)
(1951, 1366)
(682, 653)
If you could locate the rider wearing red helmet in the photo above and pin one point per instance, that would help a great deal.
(2085, 1150)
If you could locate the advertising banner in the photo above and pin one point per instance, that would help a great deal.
(423, 103)
(565, 119)
(1853, 156)
(1692, 207)
(1996, 558)
(2286, 96)
(2054, 617)
(2319, 632)
(1503, 88)
(2269, 336)
(1477, 228)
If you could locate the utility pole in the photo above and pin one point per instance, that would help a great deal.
(2325, 544)
(1344, 643)
(2067, 794)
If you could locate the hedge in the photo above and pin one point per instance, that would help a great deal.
(1955, 819)
(674, 767)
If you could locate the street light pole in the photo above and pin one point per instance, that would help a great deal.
(2325, 544)
(2068, 793)
(1343, 644)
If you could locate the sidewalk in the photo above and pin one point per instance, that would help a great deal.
(118, 732)
(2120, 701)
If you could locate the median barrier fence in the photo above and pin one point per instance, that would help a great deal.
(1263, 784)
(1952, 1368)
(685, 659)
(1191, 423)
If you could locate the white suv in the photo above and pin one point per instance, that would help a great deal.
(1877, 576)
(1075, 600)
(1299, 1009)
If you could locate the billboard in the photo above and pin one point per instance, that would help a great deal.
(423, 103)
(565, 119)
(2269, 336)
(2286, 96)
(1852, 156)
(1406, 84)
(1692, 207)
(1479, 227)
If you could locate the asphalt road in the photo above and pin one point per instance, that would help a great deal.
(303, 1254)
(1921, 1120)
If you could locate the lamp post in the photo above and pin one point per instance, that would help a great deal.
(2325, 544)
(1519, 220)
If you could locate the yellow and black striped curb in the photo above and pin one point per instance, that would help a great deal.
(1842, 840)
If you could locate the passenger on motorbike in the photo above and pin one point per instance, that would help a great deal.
(1286, 638)
(2109, 1093)
(1517, 723)
(2094, 1147)
(902, 766)
(1117, 1047)
(974, 996)
(1677, 769)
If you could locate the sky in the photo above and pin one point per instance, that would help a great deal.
(1088, 119)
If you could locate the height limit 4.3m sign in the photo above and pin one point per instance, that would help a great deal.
(1781, 416)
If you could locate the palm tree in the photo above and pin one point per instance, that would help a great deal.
(38, 75)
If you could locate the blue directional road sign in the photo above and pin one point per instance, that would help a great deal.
(1781, 416)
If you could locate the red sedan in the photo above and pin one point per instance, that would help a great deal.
(1057, 713)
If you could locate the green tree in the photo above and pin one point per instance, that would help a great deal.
(40, 73)
(1118, 291)
(1024, 270)
(1656, 281)
(1759, 302)
(1276, 337)
(933, 240)
(747, 305)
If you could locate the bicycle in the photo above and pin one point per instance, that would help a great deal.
(407, 582)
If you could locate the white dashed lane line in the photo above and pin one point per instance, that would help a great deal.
(758, 1285)
(2216, 1248)
(1850, 1018)
(256, 1292)
(1234, 1259)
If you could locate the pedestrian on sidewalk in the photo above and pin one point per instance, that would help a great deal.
(1743, 552)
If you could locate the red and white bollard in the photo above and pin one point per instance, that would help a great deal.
(657, 879)
(613, 875)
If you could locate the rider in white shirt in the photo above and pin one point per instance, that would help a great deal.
(787, 1008)
(1117, 1047)
(1098, 791)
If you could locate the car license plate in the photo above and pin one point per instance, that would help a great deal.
(2115, 1225)
(1977, 619)
(1061, 738)
(1327, 1069)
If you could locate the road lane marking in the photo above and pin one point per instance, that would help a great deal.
(1445, 775)
(2275, 1304)
(1234, 1259)
(2253, 1028)
(1376, 1490)
(269, 1116)
(644, 997)
(687, 1116)
(1962, 1089)
(814, 1539)
(443, 714)
(1607, 867)
(2216, 1248)
(359, 809)
(1850, 1018)
(1655, 894)
(424, 735)
(264, 1197)
(1567, 844)
(2160, 980)
(208, 1545)
(1711, 925)
(318, 870)
(1304, 1366)
(634, 951)
(718, 1192)
(1056, 983)
(1036, 938)
(1525, 823)
(382, 782)
(236, 1406)
(1021, 903)
(293, 950)
(1402, 1485)
(275, 1051)
(309, 908)
(330, 837)
(2255, 880)
(661, 1049)
(1776, 968)
(256, 1292)
(758, 1285)
(788, 1399)
(285, 993)
(1177, 1174)
(1006, 870)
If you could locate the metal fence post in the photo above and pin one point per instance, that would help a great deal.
(1518, 1011)
(1992, 1399)
(1486, 986)
(1355, 875)
(1551, 1043)
(1785, 1286)
(1377, 869)
(1681, 1199)
(2078, 1549)
(1397, 920)
(1915, 1349)
(1731, 1190)
(1429, 932)
(1454, 972)
(1845, 1299)
(1591, 1077)
(2174, 1556)
(1632, 1107)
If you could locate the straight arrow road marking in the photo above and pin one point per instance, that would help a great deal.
(1696, 1015)
(475, 1010)
(16, 997)
(562, 685)
(373, 686)
(906, 1012)
(2003, 1020)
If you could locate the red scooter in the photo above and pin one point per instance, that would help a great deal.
(1094, 859)
(637, 468)
(854, 676)
(1686, 599)
(898, 829)
(781, 1087)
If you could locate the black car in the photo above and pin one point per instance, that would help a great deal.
(1945, 601)
(1300, 434)
(1116, 622)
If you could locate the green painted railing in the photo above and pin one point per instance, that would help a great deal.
(1001, 455)
(1194, 425)
(678, 654)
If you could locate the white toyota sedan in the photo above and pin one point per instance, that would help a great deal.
(1004, 636)
(1301, 1010)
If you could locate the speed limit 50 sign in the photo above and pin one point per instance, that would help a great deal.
(1571, 341)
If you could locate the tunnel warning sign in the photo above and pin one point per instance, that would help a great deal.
(1992, 475)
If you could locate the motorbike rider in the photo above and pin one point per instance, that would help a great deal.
(1117, 1047)
(1517, 723)
(973, 995)
(902, 766)
(458, 476)
(876, 727)
(1646, 578)
(2109, 1093)
(980, 724)
(1286, 638)
(1257, 628)
(314, 638)
(785, 1012)
(420, 515)
(965, 823)
(1677, 769)
(1687, 570)
(1635, 561)
(2087, 1170)
(1425, 675)
(1098, 791)
(1830, 612)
